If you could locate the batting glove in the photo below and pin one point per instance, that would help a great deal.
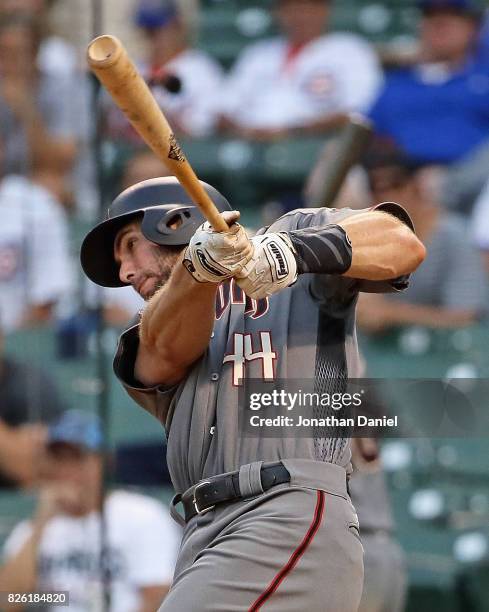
(212, 257)
(272, 267)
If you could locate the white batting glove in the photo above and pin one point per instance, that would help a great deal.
(272, 267)
(212, 257)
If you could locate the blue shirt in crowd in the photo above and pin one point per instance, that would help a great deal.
(434, 116)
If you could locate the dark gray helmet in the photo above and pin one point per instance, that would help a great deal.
(160, 203)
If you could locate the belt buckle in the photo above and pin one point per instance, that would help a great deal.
(194, 501)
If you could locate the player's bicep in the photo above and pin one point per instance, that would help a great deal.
(152, 369)
(340, 290)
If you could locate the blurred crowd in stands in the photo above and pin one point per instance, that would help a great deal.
(67, 546)
(429, 105)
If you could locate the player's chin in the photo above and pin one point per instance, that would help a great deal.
(150, 287)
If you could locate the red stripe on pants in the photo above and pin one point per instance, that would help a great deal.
(295, 556)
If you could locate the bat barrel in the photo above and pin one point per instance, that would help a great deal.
(104, 51)
(109, 61)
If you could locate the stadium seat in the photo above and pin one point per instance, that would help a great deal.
(226, 26)
(80, 384)
(226, 29)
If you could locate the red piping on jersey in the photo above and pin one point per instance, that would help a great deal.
(295, 556)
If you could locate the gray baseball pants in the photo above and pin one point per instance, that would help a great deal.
(293, 548)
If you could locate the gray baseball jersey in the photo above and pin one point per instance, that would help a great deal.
(304, 332)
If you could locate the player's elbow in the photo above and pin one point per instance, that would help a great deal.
(413, 251)
(403, 253)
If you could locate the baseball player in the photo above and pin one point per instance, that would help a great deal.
(268, 522)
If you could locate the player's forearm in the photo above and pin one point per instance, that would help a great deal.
(175, 328)
(383, 247)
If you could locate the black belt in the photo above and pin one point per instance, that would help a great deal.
(219, 489)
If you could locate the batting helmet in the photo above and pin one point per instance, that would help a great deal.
(168, 218)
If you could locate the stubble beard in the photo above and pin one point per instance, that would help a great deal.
(164, 263)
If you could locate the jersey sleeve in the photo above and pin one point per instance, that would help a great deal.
(338, 290)
(156, 400)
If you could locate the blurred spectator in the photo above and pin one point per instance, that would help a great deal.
(35, 269)
(438, 110)
(484, 38)
(480, 224)
(304, 81)
(384, 588)
(29, 400)
(184, 81)
(40, 117)
(55, 55)
(59, 72)
(60, 548)
(449, 289)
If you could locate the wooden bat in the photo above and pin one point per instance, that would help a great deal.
(333, 167)
(109, 61)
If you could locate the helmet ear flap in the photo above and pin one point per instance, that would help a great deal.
(170, 227)
(173, 222)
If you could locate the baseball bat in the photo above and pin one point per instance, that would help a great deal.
(109, 61)
(345, 153)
